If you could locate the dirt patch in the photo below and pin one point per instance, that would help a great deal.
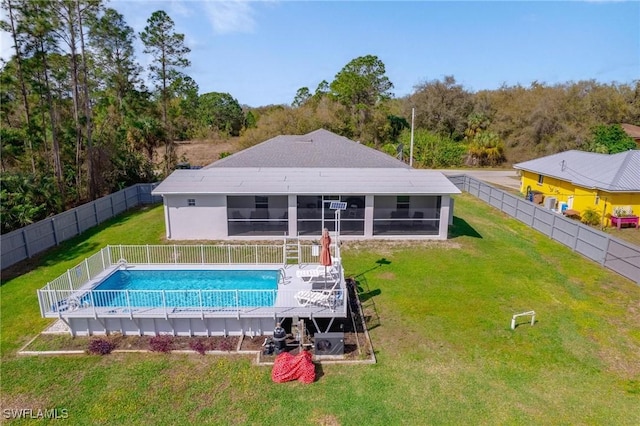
(389, 247)
(388, 276)
(201, 152)
(326, 420)
(22, 400)
(357, 344)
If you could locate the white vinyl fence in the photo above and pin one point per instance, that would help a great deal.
(613, 253)
(67, 289)
(26, 242)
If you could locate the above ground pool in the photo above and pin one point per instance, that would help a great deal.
(187, 288)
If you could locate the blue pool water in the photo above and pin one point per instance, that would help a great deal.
(183, 288)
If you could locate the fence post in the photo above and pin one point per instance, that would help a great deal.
(164, 305)
(605, 251)
(26, 244)
(95, 212)
(113, 210)
(93, 303)
(55, 231)
(75, 213)
(533, 217)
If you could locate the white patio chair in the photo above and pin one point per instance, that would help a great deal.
(325, 298)
(318, 273)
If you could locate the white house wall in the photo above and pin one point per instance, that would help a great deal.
(446, 216)
(207, 220)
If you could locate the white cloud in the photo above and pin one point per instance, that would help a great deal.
(177, 7)
(234, 16)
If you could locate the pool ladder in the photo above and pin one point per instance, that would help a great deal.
(282, 275)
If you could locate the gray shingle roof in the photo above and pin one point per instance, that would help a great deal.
(306, 181)
(614, 173)
(320, 148)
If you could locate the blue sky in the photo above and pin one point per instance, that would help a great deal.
(262, 52)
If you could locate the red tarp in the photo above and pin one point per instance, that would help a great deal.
(287, 367)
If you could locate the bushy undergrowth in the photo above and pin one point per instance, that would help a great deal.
(591, 217)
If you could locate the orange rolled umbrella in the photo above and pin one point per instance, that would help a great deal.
(325, 251)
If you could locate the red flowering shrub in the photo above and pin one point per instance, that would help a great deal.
(100, 346)
(161, 343)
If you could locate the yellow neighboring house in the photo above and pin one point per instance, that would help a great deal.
(579, 180)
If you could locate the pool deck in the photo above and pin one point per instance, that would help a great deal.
(285, 303)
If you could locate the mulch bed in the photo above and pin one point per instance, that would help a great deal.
(53, 342)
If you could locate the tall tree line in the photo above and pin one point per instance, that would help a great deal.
(454, 126)
(76, 119)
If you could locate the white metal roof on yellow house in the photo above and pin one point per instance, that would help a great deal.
(300, 181)
(614, 173)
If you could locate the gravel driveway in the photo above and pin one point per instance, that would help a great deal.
(505, 178)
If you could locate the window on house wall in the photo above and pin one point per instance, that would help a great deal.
(402, 202)
(262, 202)
(540, 179)
(191, 202)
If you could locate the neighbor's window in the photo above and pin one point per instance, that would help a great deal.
(191, 202)
(540, 179)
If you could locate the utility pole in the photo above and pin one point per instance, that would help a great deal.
(413, 116)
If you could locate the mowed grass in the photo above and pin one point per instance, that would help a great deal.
(441, 314)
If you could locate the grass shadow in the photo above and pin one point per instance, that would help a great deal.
(365, 296)
(461, 228)
(380, 262)
(319, 371)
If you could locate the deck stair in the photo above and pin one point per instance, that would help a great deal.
(291, 251)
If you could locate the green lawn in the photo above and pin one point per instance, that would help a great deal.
(446, 354)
